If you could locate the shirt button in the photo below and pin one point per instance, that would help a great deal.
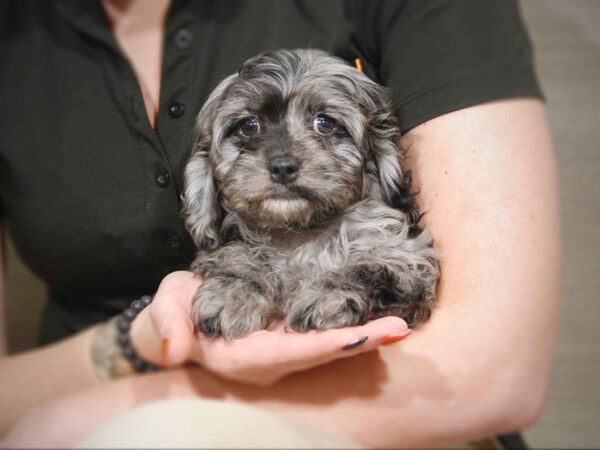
(174, 242)
(183, 38)
(162, 178)
(176, 110)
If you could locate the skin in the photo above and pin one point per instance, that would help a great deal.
(66, 366)
(138, 27)
(3, 343)
(480, 366)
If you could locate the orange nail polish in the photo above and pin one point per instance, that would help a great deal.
(164, 352)
(392, 338)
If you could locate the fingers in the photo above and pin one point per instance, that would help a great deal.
(264, 355)
(180, 287)
(171, 316)
(276, 352)
(341, 343)
(177, 336)
(348, 341)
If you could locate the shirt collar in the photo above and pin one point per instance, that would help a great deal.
(89, 18)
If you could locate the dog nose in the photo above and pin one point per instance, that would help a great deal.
(284, 169)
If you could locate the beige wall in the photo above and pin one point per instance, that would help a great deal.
(566, 35)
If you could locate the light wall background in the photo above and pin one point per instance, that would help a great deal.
(566, 37)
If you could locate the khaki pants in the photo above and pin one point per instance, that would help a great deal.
(194, 423)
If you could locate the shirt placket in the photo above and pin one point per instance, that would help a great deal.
(160, 155)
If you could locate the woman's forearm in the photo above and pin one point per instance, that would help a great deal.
(32, 378)
(43, 375)
(437, 387)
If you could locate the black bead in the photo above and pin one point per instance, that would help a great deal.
(129, 314)
(123, 339)
(123, 324)
(138, 364)
(137, 306)
(128, 352)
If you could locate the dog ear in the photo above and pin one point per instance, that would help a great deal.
(383, 154)
(201, 210)
(381, 140)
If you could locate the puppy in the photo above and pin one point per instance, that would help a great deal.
(295, 198)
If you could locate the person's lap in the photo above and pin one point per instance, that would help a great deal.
(185, 423)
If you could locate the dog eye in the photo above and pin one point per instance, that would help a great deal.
(324, 125)
(249, 127)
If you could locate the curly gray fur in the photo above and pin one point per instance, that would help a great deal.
(333, 244)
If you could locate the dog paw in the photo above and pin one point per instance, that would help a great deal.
(232, 308)
(414, 306)
(406, 294)
(331, 303)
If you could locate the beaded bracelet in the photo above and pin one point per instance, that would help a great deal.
(123, 326)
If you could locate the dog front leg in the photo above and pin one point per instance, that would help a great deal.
(334, 300)
(406, 292)
(363, 292)
(240, 293)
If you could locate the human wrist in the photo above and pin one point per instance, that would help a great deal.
(145, 339)
(126, 344)
(105, 352)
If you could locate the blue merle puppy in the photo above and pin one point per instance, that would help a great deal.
(295, 198)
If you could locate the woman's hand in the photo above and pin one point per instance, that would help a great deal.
(261, 358)
(266, 356)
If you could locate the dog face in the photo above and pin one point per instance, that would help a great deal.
(289, 142)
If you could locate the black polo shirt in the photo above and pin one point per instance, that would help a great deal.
(90, 192)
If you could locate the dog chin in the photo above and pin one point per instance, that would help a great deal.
(286, 210)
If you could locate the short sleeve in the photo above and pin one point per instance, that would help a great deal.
(438, 56)
(2, 208)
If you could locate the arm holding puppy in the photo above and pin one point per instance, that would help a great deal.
(481, 364)
(65, 369)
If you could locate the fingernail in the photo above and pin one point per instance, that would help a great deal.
(392, 338)
(353, 345)
(164, 352)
